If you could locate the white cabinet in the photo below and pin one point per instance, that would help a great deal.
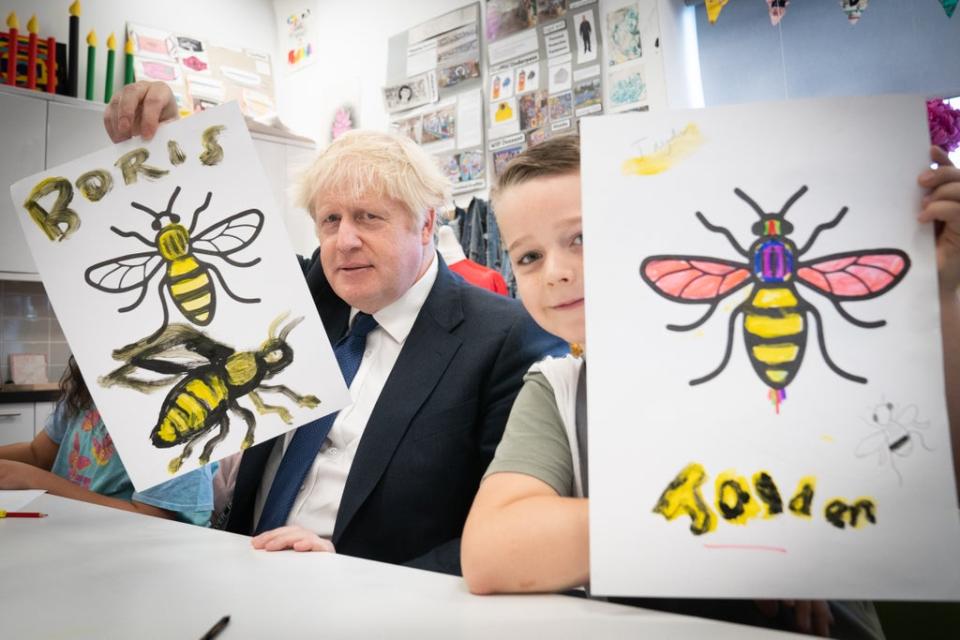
(22, 134)
(73, 131)
(16, 422)
(41, 411)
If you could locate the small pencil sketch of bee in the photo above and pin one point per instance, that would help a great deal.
(896, 428)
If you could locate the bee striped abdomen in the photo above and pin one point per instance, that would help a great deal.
(188, 408)
(774, 334)
(191, 289)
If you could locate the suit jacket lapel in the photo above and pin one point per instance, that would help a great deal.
(425, 356)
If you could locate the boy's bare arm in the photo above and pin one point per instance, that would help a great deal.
(521, 536)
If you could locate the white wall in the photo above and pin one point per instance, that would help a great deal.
(241, 23)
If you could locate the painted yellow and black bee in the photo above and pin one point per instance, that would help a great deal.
(187, 279)
(209, 378)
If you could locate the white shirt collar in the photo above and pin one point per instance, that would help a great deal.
(397, 318)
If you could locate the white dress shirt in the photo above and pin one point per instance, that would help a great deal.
(316, 505)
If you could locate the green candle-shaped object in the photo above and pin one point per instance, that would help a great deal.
(128, 62)
(91, 62)
(111, 60)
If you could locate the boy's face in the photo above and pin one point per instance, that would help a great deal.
(541, 225)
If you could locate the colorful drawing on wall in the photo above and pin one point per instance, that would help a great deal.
(439, 125)
(503, 112)
(623, 25)
(502, 157)
(183, 235)
(413, 92)
(895, 433)
(561, 105)
(457, 73)
(501, 84)
(527, 78)
(628, 89)
(471, 165)
(188, 279)
(301, 38)
(209, 378)
(506, 17)
(534, 110)
(550, 10)
(775, 315)
(587, 96)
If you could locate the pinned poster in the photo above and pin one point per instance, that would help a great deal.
(854, 9)
(767, 402)
(777, 9)
(161, 260)
(714, 7)
(949, 6)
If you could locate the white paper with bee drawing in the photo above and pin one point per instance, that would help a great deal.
(230, 282)
(830, 486)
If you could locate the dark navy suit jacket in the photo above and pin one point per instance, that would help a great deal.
(433, 430)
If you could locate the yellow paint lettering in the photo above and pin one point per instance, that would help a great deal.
(840, 514)
(768, 493)
(62, 221)
(734, 501)
(212, 151)
(802, 500)
(682, 497)
(134, 162)
(95, 184)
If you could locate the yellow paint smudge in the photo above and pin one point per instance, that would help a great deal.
(677, 148)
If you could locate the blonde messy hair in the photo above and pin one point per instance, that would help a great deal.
(553, 157)
(372, 163)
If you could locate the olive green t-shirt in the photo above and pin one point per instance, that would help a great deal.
(535, 441)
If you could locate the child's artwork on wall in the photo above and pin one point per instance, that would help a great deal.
(162, 260)
(766, 376)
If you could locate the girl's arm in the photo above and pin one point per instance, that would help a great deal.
(26, 465)
(521, 536)
(40, 452)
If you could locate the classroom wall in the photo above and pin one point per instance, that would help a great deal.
(897, 46)
(352, 55)
(240, 23)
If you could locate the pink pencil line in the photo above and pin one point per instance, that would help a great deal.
(751, 547)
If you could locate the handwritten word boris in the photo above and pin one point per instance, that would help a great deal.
(60, 221)
(736, 503)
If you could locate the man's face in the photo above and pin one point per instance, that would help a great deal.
(371, 249)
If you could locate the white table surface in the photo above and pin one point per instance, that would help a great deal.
(93, 572)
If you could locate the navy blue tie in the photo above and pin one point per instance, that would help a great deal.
(308, 439)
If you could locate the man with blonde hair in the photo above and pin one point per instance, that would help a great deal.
(392, 476)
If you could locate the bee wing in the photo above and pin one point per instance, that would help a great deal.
(230, 234)
(124, 273)
(874, 443)
(908, 415)
(692, 278)
(857, 275)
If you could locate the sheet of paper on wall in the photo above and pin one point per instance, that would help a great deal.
(767, 406)
(170, 270)
(411, 93)
(635, 77)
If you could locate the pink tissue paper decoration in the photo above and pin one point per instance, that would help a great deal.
(944, 123)
(778, 9)
(854, 9)
(949, 6)
(342, 122)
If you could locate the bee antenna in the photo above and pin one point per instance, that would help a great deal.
(793, 198)
(276, 323)
(153, 214)
(173, 197)
(287, 329)
(749, 201)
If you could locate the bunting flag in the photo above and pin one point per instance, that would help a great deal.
(855, 8)
(714, 7)
(949, 6)
(778, 9)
